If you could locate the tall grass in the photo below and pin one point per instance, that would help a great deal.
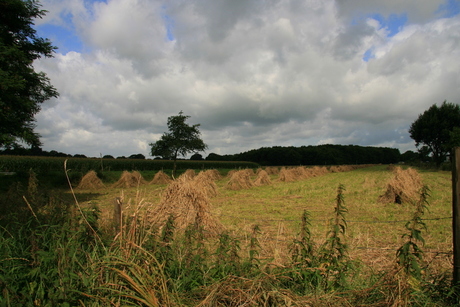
(59, 254)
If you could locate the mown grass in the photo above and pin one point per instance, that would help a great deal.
(264, 258)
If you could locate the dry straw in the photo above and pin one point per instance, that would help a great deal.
(231, 172)
(189, 204)
(161, 178)
(214, 174)
(318, 171)
(262, 178)
(189, 174)
(272, 170)
(403, 187)
(129, 180)
(240, 180)
(287, 175)
(90, 182)
(205, 181)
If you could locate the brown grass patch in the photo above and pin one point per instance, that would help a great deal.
(161, 178)
(262, 179)
(403, 187)
(90, 182)
(189, 203)
(129, 180)
(240, 180)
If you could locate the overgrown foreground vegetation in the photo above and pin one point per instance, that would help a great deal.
(325, 240)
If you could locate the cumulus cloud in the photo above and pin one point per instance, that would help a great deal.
(252, 73)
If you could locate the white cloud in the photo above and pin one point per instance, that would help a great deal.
(252, 73)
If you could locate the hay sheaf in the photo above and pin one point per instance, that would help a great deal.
(240, 180)
(316, 171)
(189, 204)
(188, 174)
(301, 173)
(161, 178)
(286, 175)
(262, 179)
(272, 170)
(129, 180)
(403, 187)
(231, 172)
(90, 182)
(205, 181)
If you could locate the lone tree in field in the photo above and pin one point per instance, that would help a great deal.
(180, 140)
(437, 130)
(22, 90)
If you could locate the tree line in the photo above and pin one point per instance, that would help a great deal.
(314, 155)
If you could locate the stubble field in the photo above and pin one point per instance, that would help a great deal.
(374, 230)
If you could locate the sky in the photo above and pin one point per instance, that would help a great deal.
(252, 73)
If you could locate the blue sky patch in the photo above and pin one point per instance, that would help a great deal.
(169, 25)
(369, 54)
(393, 23)
(450, 9)
(64, 38)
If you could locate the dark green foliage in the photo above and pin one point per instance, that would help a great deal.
(227, 259)
(179, 141)
(333, 253)
(253, 261)
(44, 263)
(437, 130)
(22, 90)
(410, 254)
(47, 164)
(314, 155)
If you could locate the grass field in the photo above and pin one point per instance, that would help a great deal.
(374, 229)
(372, 233)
